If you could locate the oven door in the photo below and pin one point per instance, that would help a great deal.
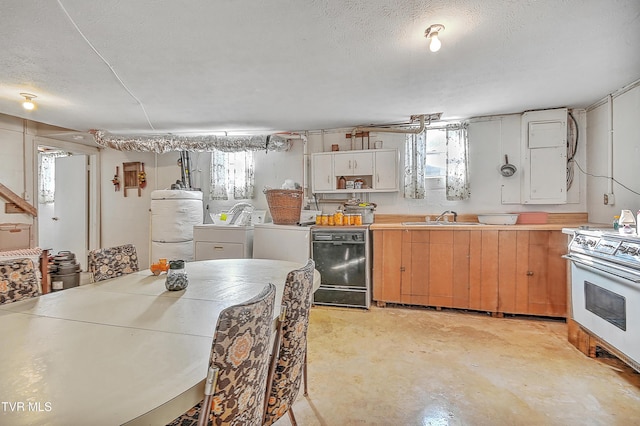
(606, 301)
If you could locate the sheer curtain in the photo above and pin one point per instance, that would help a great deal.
(232, 173)
(457, 161)
(47, 175)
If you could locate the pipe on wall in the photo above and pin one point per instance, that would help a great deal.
(610, 144)
(414, 130)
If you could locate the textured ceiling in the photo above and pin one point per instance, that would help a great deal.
(149, 66)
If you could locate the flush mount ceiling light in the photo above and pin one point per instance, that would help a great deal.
(28, 103)
(431, 33)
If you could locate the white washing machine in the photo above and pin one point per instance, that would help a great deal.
(282, 242)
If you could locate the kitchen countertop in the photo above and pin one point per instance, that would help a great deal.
(480, 227)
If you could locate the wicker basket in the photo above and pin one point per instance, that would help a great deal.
(284, 205)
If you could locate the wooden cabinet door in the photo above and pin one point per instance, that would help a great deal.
(532, 275)
(461, 268)
(483, 271)
(416, 266)
(513, 283)
(547, 275)
(441, 268)
(387, 263)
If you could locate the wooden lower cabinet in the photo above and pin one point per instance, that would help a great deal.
(533, 274)
(498, 271)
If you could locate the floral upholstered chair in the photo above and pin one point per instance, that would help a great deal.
(112, 262)
(18, 280)
(290, 364)
(238, 365)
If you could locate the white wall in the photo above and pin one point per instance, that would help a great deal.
(126, 219)
(489, 139)
(619, 159)
(15, 172)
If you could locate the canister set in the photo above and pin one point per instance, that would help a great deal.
(339, 219)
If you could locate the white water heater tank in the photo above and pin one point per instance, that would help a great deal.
(173, 215)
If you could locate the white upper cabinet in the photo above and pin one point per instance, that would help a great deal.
(322, 176)
(386, 170)
(544, 156)
(353, 163)
(378, 169)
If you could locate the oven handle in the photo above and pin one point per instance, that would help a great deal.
(599, 266)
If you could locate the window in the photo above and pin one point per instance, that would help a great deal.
(232, 175)
(47, 175)
(436, 153)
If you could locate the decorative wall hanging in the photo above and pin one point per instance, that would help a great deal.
(131, 172)
(142, 177)
(116, 179)
(166, 143)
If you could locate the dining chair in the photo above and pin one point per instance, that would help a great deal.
(290, 358)
(112, 262)
(238, 365)
(18, 280)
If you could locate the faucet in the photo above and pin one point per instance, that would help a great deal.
(455, 215)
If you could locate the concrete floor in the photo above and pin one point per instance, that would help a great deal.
(410, 366)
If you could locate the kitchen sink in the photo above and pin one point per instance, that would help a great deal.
(441, 223)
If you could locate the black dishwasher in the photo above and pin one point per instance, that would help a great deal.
(342, 256)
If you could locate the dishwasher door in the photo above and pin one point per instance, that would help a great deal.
(342, 259)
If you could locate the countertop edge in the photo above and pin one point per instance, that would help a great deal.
(524, 227)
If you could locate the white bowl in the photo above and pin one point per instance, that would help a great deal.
(498, 219)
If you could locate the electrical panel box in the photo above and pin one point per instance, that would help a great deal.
(544, 156)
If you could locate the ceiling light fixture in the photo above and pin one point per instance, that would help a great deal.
(28, 103)
(432, 34)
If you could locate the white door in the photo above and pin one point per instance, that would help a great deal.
(69, 222)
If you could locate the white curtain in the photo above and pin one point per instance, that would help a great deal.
(232, 173)
(415, 162)
(47, 175)
(457, 161)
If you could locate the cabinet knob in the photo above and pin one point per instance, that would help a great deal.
(529, 273)
(402, 269)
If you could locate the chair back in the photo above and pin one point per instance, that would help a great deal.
(287, 376)
(18, 280)
(241, 353)
(112, 262)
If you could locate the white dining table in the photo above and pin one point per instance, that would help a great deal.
(124, 350)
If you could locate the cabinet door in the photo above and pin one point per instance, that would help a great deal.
(544, 156)
(387, 263)
(533, 276)
(343, 164)
(415, 264)
(441, 268)
(322, 173)
(386, 170)
(461, 268)
(513, 284)
(483, 271)
(363, 163)
(547, 274)
(353, 164)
